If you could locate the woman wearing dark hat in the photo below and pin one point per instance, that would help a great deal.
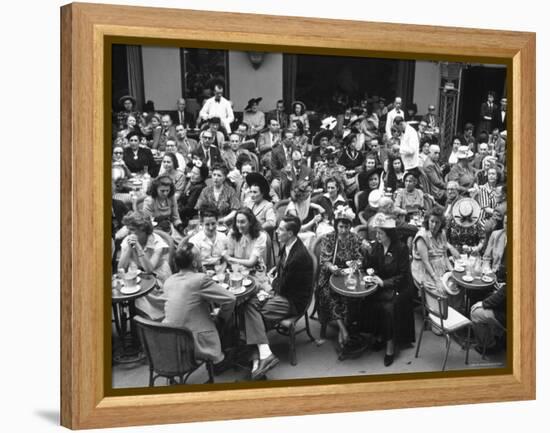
(370, 180)
(191, 192)
(337, 248)
(321, 141)
(258, 201)
(298, 112)
(254, 117)
(410, 199)
(351, 158)
(388, 312)
(127, 104)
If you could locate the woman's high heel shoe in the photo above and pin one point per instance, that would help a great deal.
(388, 360)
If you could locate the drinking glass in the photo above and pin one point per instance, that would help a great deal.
(351, 282)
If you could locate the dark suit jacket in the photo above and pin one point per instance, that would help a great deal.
(497, 303)
(499, 122)
(189, 118)
(278, 160)
(265, 144)
(435, 178)
(215, 156)
(295, 277)
(144, 158)
(282, 118)
(486, 124)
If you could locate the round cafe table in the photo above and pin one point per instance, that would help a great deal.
(338, 284)
(477, 285)
(123, 311)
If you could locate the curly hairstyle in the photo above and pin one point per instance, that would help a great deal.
(172, 156)
(255, 226)
(138, 220)
(437, 212)
(299, 126)
(163, 180)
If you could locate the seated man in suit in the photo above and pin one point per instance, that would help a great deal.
(189, 295)
(291, 286)
(208, 153)
(182, 116)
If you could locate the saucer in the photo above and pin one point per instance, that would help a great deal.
(459, 268)
(247, 282)
(468, 278)
(130, 290)
(238, 290)
(486, 279)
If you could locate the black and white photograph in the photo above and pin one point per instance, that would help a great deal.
(285, 216)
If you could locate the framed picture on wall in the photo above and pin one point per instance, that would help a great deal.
(293, 218)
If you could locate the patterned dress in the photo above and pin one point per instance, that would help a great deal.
(331, 305)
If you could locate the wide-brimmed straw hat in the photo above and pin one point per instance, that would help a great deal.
(374, 198)
(466, 212)
(125, 97)
(298, 103)
(251, 102)
(449, 284)
(383, 221)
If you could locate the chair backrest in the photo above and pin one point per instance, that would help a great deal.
(171, 247)
(169, 350)
(316, 253)
(434, 302)
(268, 251)
(280, 208)
(360, 200)
(313, 283)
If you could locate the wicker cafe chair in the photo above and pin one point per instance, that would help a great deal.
(443, 318)
(288, 326)
(170, 352)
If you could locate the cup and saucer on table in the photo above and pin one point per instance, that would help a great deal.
(130, 283)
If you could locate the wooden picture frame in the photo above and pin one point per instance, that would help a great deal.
(84, 273)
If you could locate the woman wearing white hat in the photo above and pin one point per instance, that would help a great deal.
(465, 231)
(337, 248)
(462, 171)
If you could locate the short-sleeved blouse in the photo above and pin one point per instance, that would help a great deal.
(245, 247)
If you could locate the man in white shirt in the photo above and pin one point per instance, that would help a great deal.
(397, 111)
(409, 147)
(218, 106)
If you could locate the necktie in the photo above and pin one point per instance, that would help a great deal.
(181, 117)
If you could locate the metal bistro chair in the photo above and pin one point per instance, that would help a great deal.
(317, 253)
(287, 326)
(442, 317)
(170, 352)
